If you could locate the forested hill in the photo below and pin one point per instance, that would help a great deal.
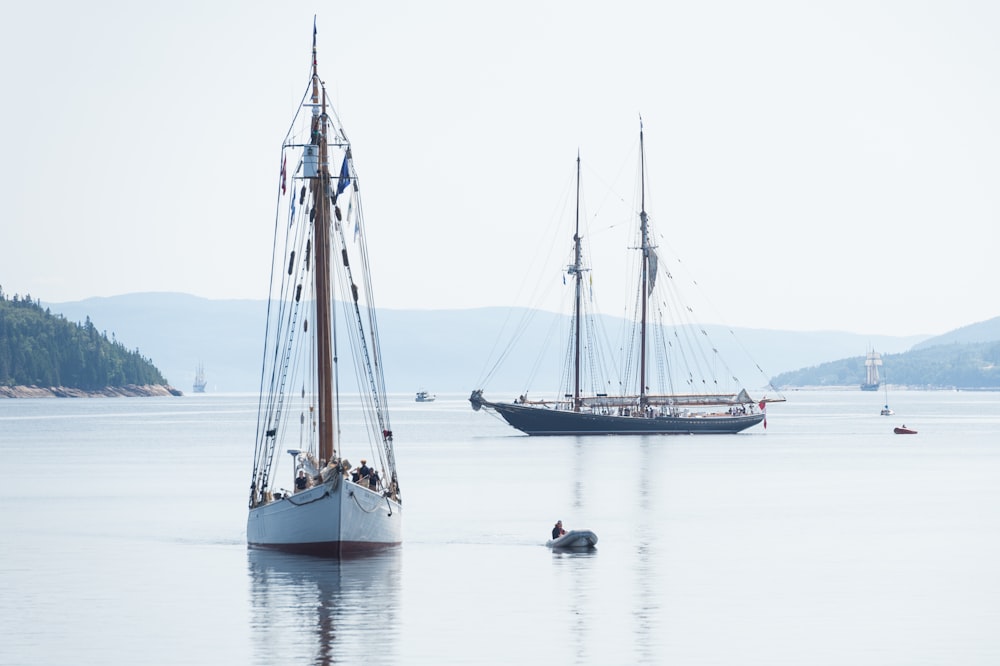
(963, 366)
(39, 349)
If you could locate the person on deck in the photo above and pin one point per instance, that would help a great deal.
(557, 530)
(301, 481)
(364, 471)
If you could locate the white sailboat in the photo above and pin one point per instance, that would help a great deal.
(321, 504)
(886, 410)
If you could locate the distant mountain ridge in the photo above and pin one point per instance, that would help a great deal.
(440, 350)
(984, 331)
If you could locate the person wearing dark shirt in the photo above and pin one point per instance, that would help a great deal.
(557, 530)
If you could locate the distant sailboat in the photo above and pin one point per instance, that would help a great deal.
(199, 379)
(885, 408)
(872, 362)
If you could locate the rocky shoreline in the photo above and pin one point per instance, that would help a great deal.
(127, 391)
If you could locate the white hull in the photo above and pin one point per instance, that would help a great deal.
(334, 518)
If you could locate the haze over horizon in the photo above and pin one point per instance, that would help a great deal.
(820, 166)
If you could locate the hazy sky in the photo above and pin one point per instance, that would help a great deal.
(814, 165)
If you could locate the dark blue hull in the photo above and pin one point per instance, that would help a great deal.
(535, 420)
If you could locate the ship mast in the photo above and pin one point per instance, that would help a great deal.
(578, 276)
(320, 188)
(644, 231)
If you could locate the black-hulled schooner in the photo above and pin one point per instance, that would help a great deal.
(305, 495)
(699, 408)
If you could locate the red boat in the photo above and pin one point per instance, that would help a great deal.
(903, 430)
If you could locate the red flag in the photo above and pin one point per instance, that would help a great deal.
(763, 408)
(283, 174)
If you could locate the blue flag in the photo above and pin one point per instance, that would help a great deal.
(345, 174)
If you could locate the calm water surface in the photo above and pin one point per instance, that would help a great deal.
(824, 539)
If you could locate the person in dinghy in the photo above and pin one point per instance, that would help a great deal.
(572, 539)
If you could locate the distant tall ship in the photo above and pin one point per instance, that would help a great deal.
(872, 362)
(199, 379)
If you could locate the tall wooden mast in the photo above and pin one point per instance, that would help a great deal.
(320, 189)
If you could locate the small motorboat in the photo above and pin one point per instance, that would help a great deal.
(903, 430)
(424, 396)
(574, 540)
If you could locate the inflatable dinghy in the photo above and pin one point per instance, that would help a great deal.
(574, 539)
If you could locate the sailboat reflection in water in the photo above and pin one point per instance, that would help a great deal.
(307, 610)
